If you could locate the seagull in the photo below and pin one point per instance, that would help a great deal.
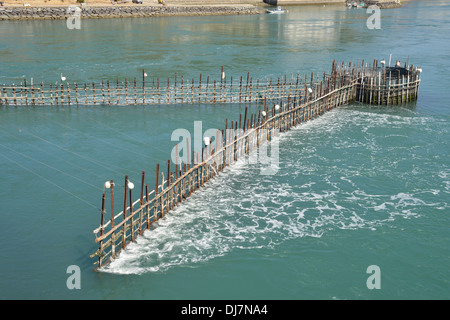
(63, 78)
(383, 62)
(277, 107)
(310, 90)
(223, 75)
(145, 74)
(263, 113)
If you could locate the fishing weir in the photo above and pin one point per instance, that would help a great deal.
(373, 85)
(282, 103)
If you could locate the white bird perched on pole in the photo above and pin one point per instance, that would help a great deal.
(63, 78)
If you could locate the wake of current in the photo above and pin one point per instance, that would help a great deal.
(323, 183)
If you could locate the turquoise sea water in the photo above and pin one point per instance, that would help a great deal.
(360, 186)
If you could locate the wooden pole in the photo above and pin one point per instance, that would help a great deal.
(245, 119)
(141, 202)
(76, 93)
(112, 203)
(109, 92)
(135, 96)
(187, 153)
(126, 91)
(143, 86)
(124, 213)
(131, 215)
(199, 88)
(100, 257)
(117, 90)
(157, 179)
(147, 199)
(103, 91)
(113, 236)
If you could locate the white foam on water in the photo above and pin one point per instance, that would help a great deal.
(309, 196)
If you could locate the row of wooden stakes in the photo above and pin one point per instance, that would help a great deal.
(154, 91)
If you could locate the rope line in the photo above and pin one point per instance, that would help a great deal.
(49, 181)
(99, 163)
(51, 167)
(101, 140)
(53, 155)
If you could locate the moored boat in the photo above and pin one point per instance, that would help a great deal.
(278, 10)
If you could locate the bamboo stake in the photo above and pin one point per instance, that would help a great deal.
(117, 90)
(143, 85)
(126, 91)
(68, 94)
(147, 199)
(131, 216)
(42, 93)
(113, 236)
(135, 96)
(109, 92)
(85, 93)
(103, 91)
(141, 202)
(124, 228)
(199, 87)
(100, 257)
(93, 92)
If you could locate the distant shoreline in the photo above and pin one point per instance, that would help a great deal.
(61, 12)
(58, 10)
